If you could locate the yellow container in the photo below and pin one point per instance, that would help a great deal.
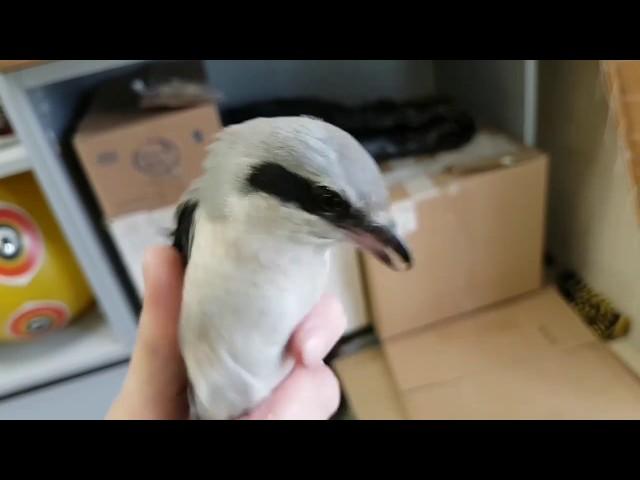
(42, 288)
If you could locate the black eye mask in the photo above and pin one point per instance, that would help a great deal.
(319, 200)
(291, 188)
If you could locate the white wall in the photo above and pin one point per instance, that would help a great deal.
(349, 81)
(492, 90)
(592, 220)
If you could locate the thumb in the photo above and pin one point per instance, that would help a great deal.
(158, 328)
(156, 372)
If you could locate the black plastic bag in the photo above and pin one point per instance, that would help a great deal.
(386, 128)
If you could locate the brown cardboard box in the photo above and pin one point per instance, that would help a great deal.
(528, 358)
(476, 234)
(142, 160)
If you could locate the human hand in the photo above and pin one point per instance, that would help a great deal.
(155, 387)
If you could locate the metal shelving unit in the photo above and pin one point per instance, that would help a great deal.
(87, 344)
(106, 335)
(13, 159)
(25, 109)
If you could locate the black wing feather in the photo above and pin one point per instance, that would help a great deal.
(185, 228)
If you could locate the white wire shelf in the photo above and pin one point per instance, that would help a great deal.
(61, 70)
(13, 158)
(86, 344)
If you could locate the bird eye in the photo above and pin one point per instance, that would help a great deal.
(329, 201)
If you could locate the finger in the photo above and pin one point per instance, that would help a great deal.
(319, 332)
(162, 298)
(307, 394)
(156, 360)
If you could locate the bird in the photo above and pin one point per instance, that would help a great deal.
(254, 232)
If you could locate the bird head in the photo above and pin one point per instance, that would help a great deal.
(301, 178)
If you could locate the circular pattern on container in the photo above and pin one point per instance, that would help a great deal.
(37, 318)
(21, 246)
(157, 157)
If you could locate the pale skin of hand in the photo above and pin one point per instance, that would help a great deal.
(155, 387)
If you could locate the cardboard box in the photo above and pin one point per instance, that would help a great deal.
(475, 224)
(135, 232)
(140, 160)
(528, 358)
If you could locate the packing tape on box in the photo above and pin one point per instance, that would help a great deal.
(419, 188)
(425, 177)
(404, 211)
(405, 217)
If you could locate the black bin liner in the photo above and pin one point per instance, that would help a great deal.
(386, 128)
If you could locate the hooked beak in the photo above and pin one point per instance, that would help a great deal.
(382, 243)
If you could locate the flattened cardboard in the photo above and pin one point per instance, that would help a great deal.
(493, 365)
(585, 382)
(521, 329)
(368, 386)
